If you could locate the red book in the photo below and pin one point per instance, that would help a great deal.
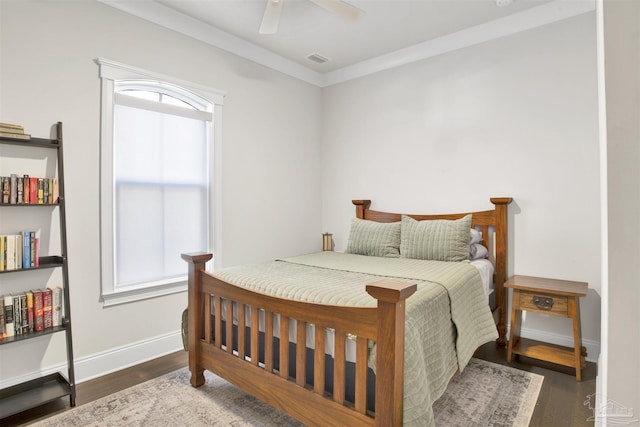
(33, 191)
(38, 310)
(47, 307)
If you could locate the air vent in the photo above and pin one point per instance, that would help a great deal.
(317, 58)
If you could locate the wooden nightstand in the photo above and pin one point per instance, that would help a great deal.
(548, 296)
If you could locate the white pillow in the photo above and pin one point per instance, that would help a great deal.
(475, 236)
(477, 251)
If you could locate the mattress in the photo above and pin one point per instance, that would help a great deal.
(486, 269)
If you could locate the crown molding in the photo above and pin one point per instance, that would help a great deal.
(159, 14)
(547, 13)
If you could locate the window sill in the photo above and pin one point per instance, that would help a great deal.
(133, 294)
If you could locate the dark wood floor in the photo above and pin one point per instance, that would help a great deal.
(561, 400)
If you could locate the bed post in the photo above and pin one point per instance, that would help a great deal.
(361, 205)
(391, 296)
(502, 265)
(196, 263)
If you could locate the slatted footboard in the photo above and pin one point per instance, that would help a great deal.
(218, 342)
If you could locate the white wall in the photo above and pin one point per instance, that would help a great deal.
(270, 176)
(513, 117)
(621, 330)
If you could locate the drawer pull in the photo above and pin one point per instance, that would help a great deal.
(544, 303)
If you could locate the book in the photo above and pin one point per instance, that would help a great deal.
(10, 253)
(38, 311)
(3, 241)
(8, 316)
(36, 252)
(13, 189)
(6, 190)
(56, 191)
(32, 244)
(24, 314)
(13, 126)
(40, 191)
(47, 306)
(45, 191)
(20, 191)
(17, 315)
(11, 130)
(33, 191)
(25, 186)
(26, 249)
(2, 332)
(24, 136)
(19, 247)
(30, 312)
(56, 305)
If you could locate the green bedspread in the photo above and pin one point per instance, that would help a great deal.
(447, 318)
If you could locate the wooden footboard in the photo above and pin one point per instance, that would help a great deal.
(213, 330)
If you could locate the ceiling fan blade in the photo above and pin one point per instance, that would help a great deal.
(271, 17)
(340, 8)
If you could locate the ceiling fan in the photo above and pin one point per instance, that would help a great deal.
(340, 8)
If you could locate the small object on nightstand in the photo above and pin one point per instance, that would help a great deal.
(547, 296)
(327, 242)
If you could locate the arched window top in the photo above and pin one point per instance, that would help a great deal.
(163, 93)
(123, 76)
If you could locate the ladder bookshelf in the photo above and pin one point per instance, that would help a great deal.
(41, 390)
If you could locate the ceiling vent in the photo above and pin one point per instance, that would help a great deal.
(317, 58)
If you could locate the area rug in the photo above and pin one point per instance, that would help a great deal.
(484, 394)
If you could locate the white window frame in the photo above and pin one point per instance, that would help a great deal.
(110, 73)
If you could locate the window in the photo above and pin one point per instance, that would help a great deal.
(158, 143)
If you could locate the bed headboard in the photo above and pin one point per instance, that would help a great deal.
(493, 225)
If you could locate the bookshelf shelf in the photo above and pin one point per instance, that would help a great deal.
(48, 331)
(34, 205)
(45, 262)
(33, 142)
(33, 393)
(36, 392)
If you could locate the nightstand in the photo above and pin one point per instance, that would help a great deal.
(547, 296)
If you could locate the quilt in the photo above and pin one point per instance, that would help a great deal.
(446, 319)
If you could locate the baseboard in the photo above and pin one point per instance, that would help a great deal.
(116, 359)
(112, 360)
(593, 347)
(599, 419)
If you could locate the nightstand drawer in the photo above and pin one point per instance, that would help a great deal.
(543, 303)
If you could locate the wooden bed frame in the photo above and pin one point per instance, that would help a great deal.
(384, 325)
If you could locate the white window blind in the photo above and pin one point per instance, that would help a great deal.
(157, 166)
(161, 192)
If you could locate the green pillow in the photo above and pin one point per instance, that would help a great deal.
(374, 238)
(439, 239)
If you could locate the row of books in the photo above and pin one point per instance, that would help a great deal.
(10, 130)
(26, 190)
(20, 251)
(32, 311)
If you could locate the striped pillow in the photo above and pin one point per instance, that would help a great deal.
(374, 238)
(439, 240)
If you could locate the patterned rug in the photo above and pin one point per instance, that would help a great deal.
(485, 394)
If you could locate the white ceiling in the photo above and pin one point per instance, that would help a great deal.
(389, 33)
